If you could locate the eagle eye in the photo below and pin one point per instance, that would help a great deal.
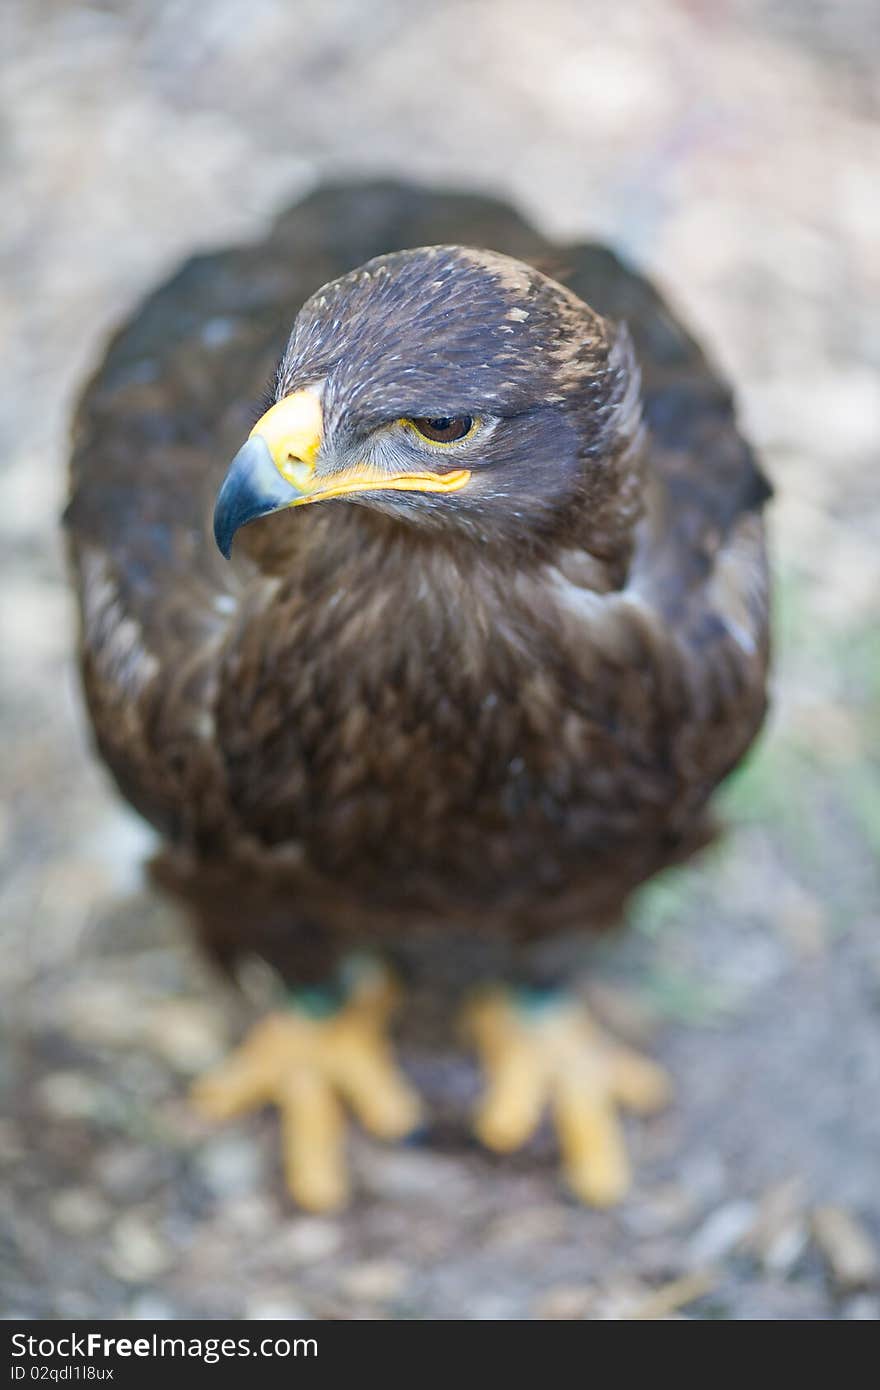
(443, 429)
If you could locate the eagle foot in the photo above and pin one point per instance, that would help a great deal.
(549, 1052)
(307, 1062)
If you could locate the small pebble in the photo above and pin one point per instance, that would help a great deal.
(616, 1301)
(375, 1281)
(849, 1251)
(529, 1226)
(136, 1252)
(103, 1012)
(721, 1232)
(780, 1233)
(78, 1211)
(232, 1166)
(663, 1209)
(254, 1215)
(667, 1300)
(274, 1305)
(309, 1239)
(565, 1303)
(490, 1307)
(150, 1307)
(188, 1033)
(69, 1095)
(125, 1171)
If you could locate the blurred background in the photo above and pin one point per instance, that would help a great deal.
(730, 148)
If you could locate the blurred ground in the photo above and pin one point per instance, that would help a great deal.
(732, 150)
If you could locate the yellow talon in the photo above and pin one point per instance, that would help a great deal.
(307, 1066)
(558, 1057)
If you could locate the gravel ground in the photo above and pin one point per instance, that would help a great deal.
(732, 150)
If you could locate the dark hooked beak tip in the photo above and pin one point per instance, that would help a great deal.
(253, 487)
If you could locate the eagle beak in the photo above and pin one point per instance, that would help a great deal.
(274, 469)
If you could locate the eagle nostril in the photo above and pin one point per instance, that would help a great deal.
(298, 472)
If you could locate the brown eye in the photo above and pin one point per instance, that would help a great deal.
(443, 429)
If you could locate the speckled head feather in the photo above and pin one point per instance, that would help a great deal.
(452, 331)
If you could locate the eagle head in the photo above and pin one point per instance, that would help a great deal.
(452, 389)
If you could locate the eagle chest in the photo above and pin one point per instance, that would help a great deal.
(406, 735)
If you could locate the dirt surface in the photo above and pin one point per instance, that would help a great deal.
(729, 149)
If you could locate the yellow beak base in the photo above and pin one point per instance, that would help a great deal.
(292, 430)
